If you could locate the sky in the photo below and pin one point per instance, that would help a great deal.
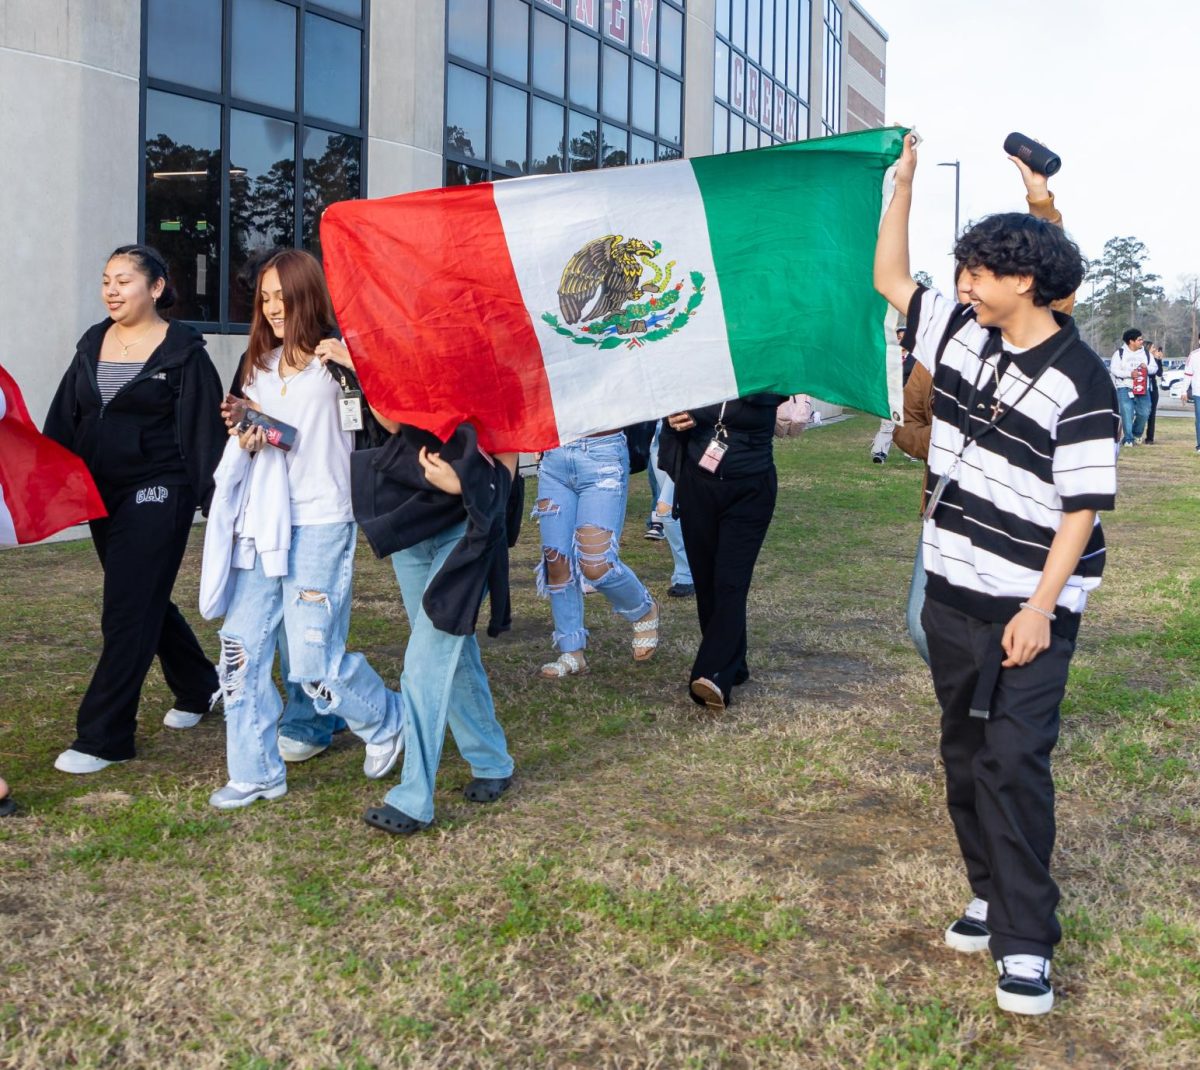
(1109, 85)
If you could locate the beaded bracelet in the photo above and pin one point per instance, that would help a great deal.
(1038, 609)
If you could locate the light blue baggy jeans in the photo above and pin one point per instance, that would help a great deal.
(443, 682)
(584, 485)
(681, 571)
(310, 604)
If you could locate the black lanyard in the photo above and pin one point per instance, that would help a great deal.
(998, 415)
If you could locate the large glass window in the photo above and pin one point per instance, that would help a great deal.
(761, 77)
(561, 85)
(254, 124)
(831, 104)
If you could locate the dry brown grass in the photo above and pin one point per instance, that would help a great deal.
(660, 889)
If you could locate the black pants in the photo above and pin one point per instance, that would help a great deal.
(141, 544)
(999, 788)
(724, 523)
(1153, 409)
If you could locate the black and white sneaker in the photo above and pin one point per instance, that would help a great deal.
(1024, 985)
(655, 532)
(970, 933)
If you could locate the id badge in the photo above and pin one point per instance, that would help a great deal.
(350, 410)
(713, 455)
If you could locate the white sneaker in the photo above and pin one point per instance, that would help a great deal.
(970, 932)
(1024, 986)
(74, 761)
(382, 757)
(174, 718)
(235, 795)
(292, 750)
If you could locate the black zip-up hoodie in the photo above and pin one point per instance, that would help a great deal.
(164, 426)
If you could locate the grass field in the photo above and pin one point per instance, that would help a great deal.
(659, 889)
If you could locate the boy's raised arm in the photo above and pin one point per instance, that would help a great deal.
(893, 276)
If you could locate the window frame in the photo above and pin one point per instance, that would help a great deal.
(662, 146)
(831, 63)
(227, 103)
(725, 36)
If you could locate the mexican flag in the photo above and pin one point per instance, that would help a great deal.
(547, 308)
(44, 487)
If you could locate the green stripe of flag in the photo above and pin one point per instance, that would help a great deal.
(793, 232)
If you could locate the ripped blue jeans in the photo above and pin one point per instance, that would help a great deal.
(582, 492)
(308, 604)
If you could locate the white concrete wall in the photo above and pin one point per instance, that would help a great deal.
(407, 96)
(699, 90)
(68, 174)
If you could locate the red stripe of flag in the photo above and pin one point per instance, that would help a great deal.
(426, 295)
(46, 487)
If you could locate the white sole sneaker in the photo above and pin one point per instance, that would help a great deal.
(967, 943)
(1016, 1003)
(231, 798)
(381, 758)
(174, 718)
(74, 761)
(292, 750)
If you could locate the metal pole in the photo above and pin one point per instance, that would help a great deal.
(957, 200)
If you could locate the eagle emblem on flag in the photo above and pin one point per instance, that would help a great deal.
(615, 291)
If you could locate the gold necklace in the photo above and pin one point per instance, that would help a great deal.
(126, 348)
(283, 392)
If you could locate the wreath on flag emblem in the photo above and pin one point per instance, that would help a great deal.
(627, 306)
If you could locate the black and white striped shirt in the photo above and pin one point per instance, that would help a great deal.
(111, 375)
(1055, 452)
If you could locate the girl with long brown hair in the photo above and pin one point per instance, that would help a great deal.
(279, 550)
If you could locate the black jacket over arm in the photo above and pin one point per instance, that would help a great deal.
(396, 508)
(164, 426)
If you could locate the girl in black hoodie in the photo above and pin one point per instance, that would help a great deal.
(140, 403)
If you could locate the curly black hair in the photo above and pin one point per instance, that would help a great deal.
(1014, 243)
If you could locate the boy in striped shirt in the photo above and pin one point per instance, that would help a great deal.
(1022, 458)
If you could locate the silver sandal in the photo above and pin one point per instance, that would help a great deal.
(648, 643)
(566, 664)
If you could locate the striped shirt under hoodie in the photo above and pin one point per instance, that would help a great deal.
(986, 545)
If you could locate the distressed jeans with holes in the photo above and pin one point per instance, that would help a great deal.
(580, 486)
(308, 604)
(443, 683)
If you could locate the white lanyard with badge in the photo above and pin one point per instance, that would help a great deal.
(714, 452)
(998, 413)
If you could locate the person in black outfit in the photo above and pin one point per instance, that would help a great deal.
(140, 403)
(725, 494)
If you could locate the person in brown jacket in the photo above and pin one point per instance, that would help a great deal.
(913, 436)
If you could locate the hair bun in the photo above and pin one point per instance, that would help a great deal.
(167, 298)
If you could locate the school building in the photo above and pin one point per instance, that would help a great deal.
(213, 129)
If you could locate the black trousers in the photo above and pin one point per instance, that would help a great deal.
(1153, 408)
(141, 544)
(724, 523)
(999, 788)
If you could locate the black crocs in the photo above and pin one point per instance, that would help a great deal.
(392, 820)
(7, 807)
(486, 790)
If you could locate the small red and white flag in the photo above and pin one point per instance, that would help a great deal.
(44, 487)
